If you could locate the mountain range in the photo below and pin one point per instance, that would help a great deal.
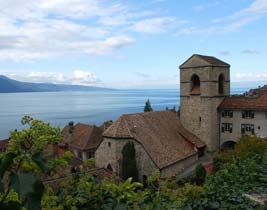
(8, 85)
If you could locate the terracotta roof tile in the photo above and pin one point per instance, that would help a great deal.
(161, 134)
(4, 144)
(84, 136)
(255, 99)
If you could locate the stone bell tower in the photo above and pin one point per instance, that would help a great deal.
(204, 82)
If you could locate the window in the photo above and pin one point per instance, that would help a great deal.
(80, 156)
(90, 154)
(221, 84)
(227, 127)
(247, 128)
(227, 113)
(195, 85)
(109, 144)
(247, 114)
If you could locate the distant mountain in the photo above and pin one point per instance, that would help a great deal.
(8, 85)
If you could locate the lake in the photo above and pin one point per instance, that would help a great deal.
(90, 107)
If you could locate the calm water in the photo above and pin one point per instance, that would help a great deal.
(92, 107)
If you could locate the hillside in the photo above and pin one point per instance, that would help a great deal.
(8, 85)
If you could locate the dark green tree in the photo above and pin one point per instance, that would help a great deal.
(129, 168)
(148, 107)
(200, 174)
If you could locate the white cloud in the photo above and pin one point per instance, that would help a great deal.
(200, 8)
(251, 76)
(142, 75)
(102, 47)
(37, 29)
(250, 51)
(79, 77)
(233, 22)
(153, 25)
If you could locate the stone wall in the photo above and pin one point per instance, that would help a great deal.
(199, 113)
(109, 152)
(178, 167)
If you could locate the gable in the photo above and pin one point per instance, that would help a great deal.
(202, 61)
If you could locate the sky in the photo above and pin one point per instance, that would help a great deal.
(128, 43)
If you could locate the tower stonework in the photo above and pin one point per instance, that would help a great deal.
(204, 82)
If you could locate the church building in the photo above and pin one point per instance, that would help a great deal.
(209, 119)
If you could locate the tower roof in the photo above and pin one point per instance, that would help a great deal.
(197, 60)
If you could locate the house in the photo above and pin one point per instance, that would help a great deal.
(161, 143)
(81, 139)
(243, 115)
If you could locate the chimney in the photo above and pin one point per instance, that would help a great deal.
(71, 129)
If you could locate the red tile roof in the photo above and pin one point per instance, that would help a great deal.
(3, 144)
(161, 133)
(85, 137)
(255, 99)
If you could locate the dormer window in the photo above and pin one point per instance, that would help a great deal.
(221, 84)
(195, 85)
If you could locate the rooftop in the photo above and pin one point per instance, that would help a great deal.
(161, 134)
(255, 99)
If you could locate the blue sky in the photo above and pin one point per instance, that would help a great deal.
(129, 43)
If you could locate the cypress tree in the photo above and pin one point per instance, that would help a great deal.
(148, 107)
(129, 168)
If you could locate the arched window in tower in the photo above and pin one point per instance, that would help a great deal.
(221, 84)
(195, 85)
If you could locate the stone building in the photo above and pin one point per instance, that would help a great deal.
(208, 117)
(243, 115)
(161, 143)
(204, 83)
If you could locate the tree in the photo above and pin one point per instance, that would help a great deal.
(129, 168)
(148, 107)
(20, 186)
(200, 174)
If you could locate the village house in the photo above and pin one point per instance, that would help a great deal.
(81, 139)
(243, 115)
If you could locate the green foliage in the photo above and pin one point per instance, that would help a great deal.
(249, 146)
(200, 174)
(23, 159)
(129, 168)
(148, 107)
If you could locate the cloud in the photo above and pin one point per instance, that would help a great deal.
(153, 25)
(233, 22)
(142, 75)
(40, 29)
(103, 47)
(250, 51)
(200, 8)
(251, 76)
(226, 52)
(79, 77)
